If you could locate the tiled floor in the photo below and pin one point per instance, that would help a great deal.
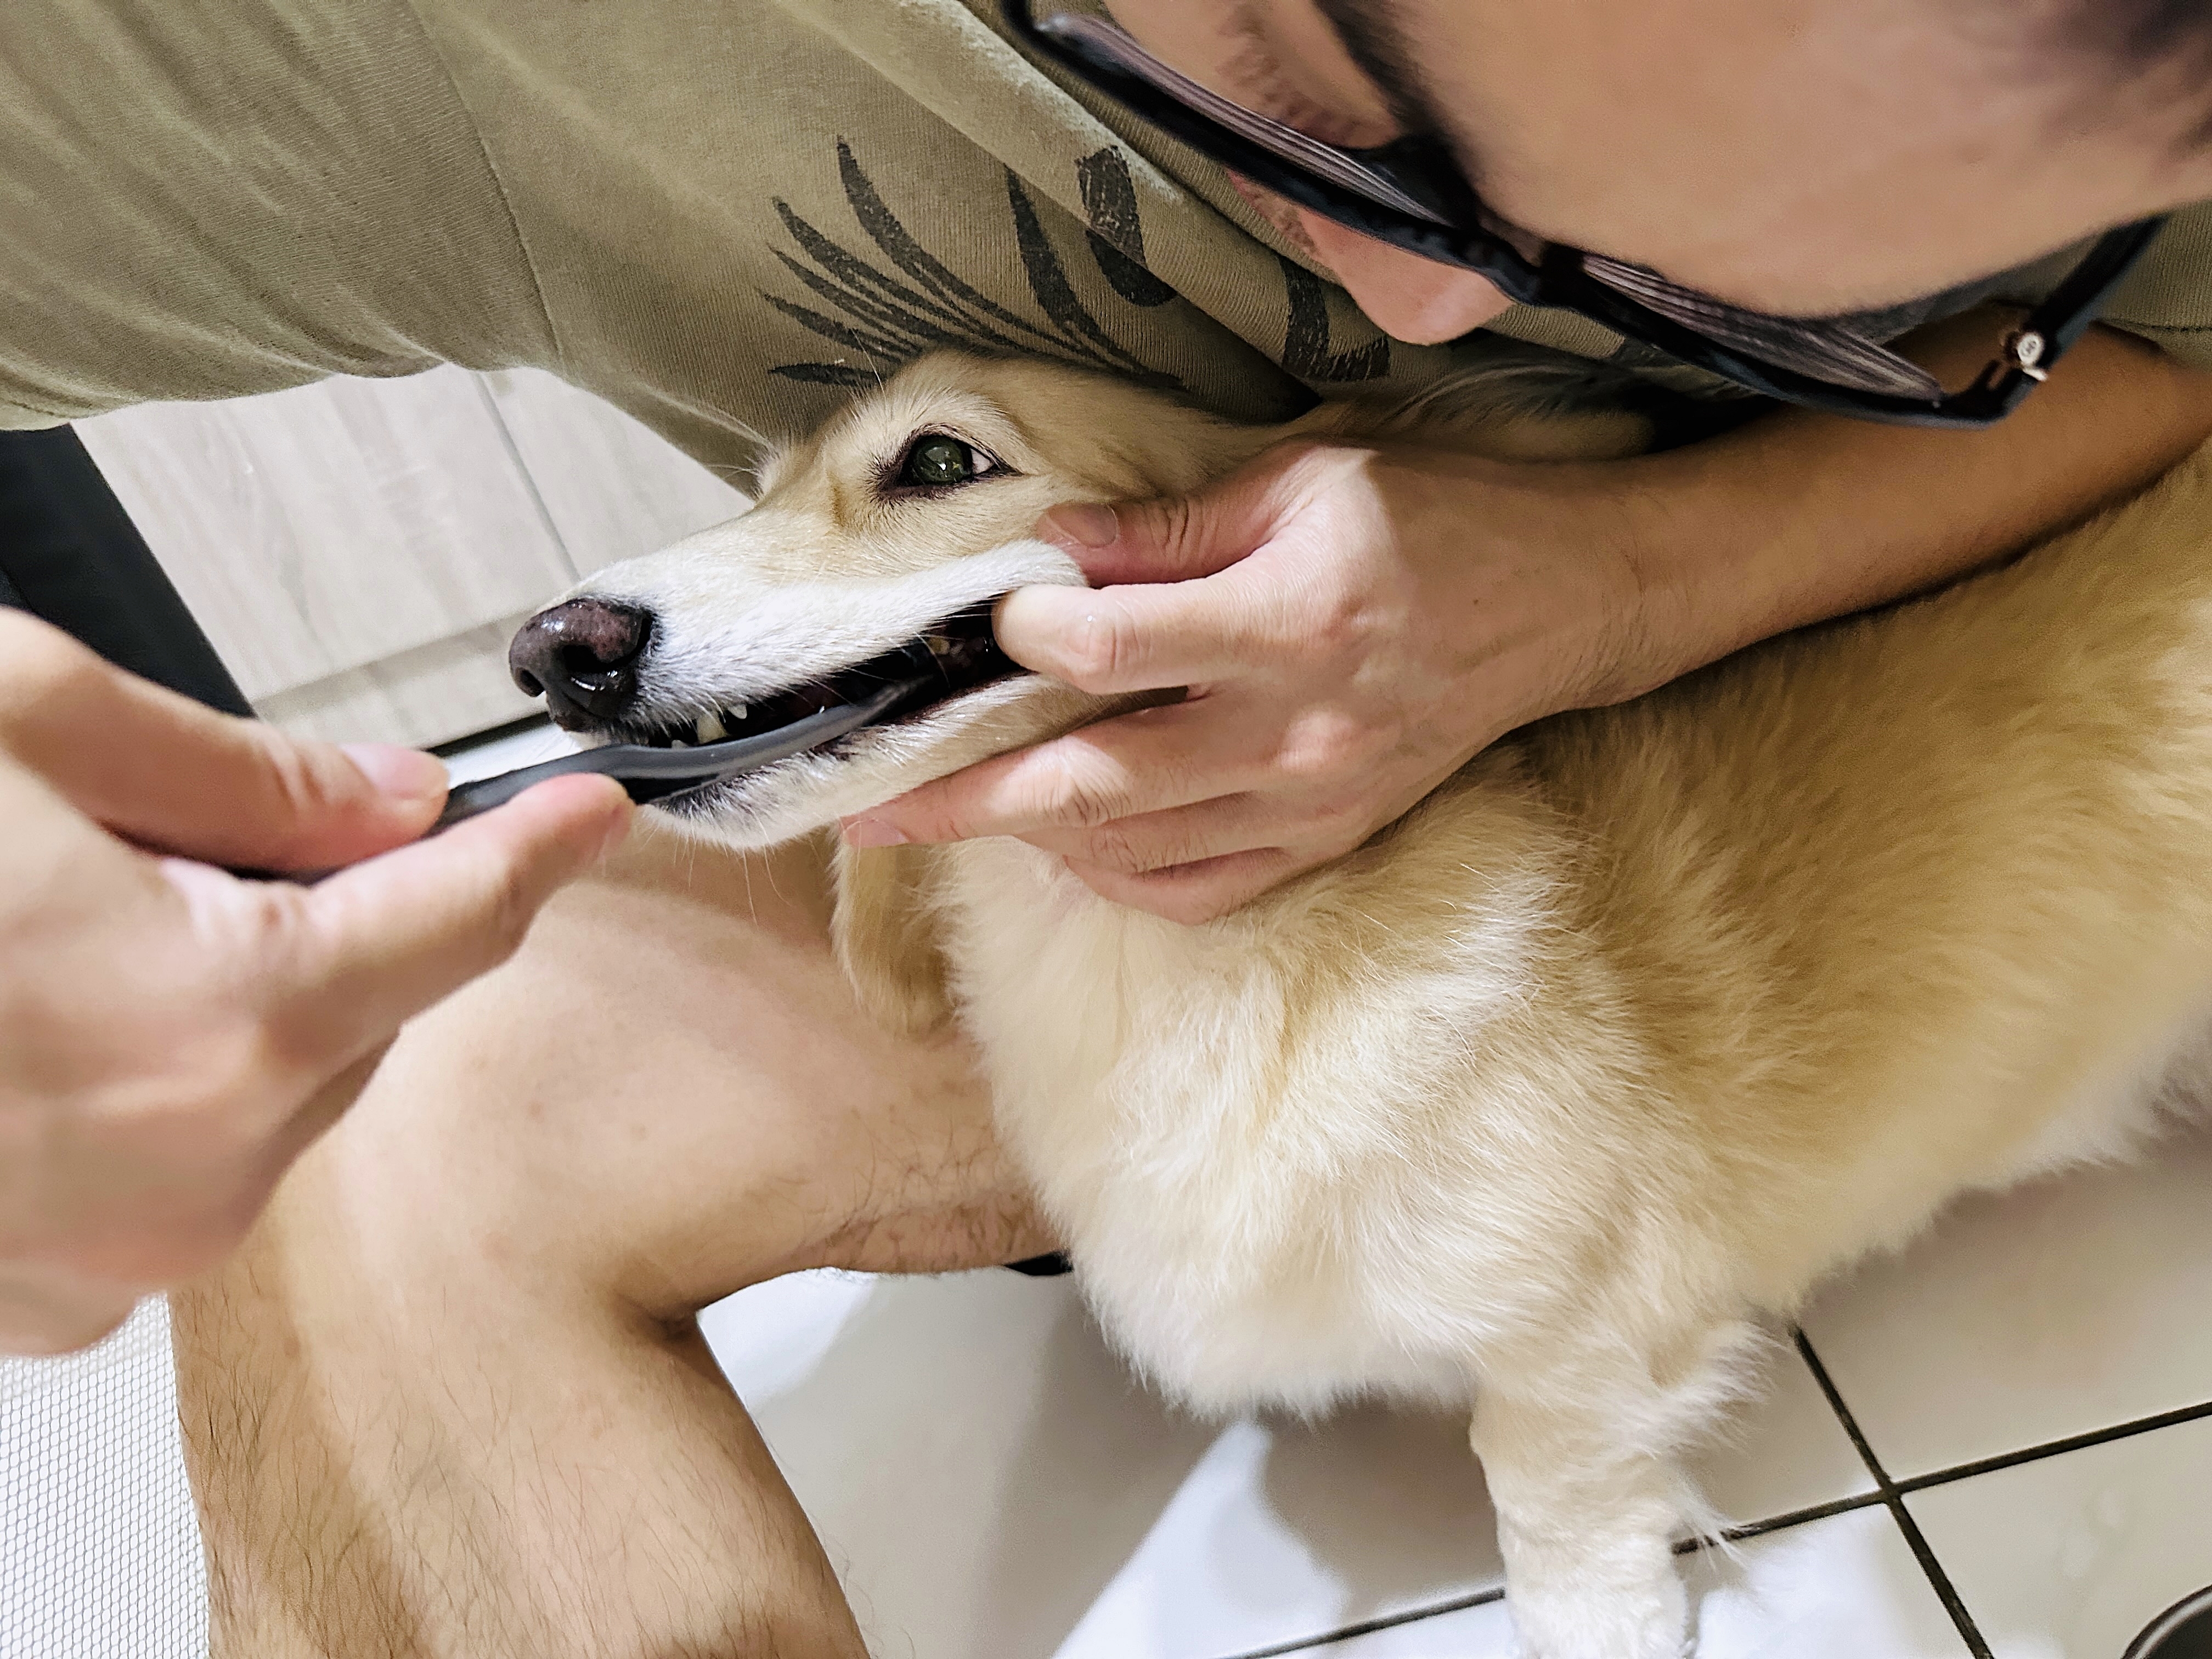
(2032, 1388)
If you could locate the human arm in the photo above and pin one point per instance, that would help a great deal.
(171, 1036)
(1355, 620)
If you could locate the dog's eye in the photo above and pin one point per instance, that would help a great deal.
(936, 460)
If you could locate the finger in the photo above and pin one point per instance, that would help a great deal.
(1182, 835)
(170, 774)
(1152, 760)
(323, 1108)
(47, 1313)
(337, 968)
(1177, 539)
(1143, 637)
(1193, 893)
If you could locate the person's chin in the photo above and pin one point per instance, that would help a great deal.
(1412, 300)
(1415, 301)
(1434, 318)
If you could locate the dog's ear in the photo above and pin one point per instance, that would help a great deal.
(880, 927)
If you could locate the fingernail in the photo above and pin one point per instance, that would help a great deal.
(1081, 522)
(871, 832)
(409, 774)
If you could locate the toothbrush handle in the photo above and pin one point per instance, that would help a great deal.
(649, 773)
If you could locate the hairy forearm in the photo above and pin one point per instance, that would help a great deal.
(1800, 517)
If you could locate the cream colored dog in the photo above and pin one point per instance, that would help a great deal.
(1620, 1040)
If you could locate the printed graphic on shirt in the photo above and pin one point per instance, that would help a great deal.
(1306, 351)
(888, 309)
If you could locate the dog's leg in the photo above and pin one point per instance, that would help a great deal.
(1583, 1469)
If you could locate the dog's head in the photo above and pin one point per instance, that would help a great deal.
(875, 550)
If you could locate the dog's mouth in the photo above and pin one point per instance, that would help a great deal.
(956, 655)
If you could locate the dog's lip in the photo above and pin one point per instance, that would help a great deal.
(955, 655)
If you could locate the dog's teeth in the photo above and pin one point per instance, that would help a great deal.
(736, 711)
(677, 743)
(710, 729)
(938, 644)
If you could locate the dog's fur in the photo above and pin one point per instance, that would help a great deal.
(1643, 1022)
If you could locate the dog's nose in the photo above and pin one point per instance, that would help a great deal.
(582, 656)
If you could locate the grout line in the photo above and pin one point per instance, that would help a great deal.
(1946, 1591)
(1368, 1626)
(1894, 1500)
(1687, 1546)
(2055, 1448)
(1827, 1386)
(529, 479)
(1751, 1529)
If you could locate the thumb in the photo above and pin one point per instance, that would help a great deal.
(341, 966)
(47, 1311)
(1170, 540)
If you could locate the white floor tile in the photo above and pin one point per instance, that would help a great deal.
(2067, 1306)
(1784, 1452)
(990, 1484)
(1286, 1530)
(978, 1467)
(1845, 1588)
(2068, 1557)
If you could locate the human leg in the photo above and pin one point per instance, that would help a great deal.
(450, 1398)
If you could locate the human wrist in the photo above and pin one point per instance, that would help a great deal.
(1695, 556)
(1646, 604)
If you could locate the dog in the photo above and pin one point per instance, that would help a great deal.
(1551, 1099)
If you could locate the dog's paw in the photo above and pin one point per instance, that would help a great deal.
(1650, 1621)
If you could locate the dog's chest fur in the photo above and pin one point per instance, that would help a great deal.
(1266, 1180)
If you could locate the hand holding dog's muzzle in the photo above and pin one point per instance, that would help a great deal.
(1352, 624)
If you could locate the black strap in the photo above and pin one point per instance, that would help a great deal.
(69, 553)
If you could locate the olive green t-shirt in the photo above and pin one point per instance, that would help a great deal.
(719, 215)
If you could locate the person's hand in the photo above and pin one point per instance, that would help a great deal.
(1353, 624)
(172, 1036)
